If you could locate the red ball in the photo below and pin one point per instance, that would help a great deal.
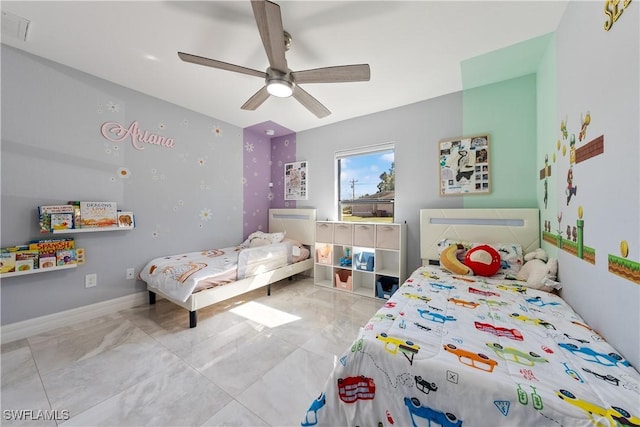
(484, 260)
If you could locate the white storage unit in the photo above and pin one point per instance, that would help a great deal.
(365, 258)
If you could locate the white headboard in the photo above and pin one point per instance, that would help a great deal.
(478, 225)
(299, 224)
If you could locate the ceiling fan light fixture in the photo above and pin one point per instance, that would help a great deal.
(279, 80)
(280, 88)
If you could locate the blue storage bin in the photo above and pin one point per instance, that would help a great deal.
(364, 261)
(386, 286)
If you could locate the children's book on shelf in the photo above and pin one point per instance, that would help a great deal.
(66, 257)
(61, 221)
(126, 220)
(45, 213)
(80, 256)
(7, 261)
(98, 214)
(51, 245)
(38, 254)
(48, 260)
(27, 260)
(76, 213)
(24, 265)
(17, 248)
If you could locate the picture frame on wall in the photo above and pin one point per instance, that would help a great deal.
(464, 165)
(296, 176)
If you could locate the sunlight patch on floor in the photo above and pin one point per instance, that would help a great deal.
(263, 314)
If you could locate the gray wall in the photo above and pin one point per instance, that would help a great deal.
(415, 129)
(53, 152)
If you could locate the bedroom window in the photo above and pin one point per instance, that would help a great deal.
(366, 183)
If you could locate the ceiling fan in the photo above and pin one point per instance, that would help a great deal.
(280, 81)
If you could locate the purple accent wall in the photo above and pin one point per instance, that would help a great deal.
(263, 163)
(256, 177)
(283, 150)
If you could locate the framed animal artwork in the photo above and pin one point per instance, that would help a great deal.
(464, 165)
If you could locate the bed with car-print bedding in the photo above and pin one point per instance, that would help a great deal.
(451, 350)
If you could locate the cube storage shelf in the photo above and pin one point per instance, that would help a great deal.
(360, 257)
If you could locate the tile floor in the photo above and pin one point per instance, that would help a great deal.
(255, 360)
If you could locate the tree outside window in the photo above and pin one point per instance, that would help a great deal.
(367, 184)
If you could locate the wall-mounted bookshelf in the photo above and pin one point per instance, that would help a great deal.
(37, 270)
(47, 254)
(90, 230)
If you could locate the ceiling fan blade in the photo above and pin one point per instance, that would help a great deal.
(269, 22)
(200, 60)
(338, 74)
(256, 100)
(310, 102)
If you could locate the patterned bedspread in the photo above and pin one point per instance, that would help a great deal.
(453, 351)
(181, 275)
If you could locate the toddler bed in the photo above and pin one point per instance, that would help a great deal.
(198, 279)
(452, 350)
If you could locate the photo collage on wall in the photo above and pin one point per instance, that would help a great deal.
(464, 166)
(295, 181)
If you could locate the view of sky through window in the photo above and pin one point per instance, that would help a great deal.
(360, 174)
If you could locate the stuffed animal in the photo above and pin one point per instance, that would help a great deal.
(260, 238)
(538, 269)
(536, 254)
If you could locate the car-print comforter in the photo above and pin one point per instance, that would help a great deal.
(452, 351)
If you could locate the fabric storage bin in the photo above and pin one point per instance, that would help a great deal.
(324, 232)
(344, 279)
(323, 255)
(364, 261)
(386, 286)
(364, 235)
(343, 234)
(387, 236)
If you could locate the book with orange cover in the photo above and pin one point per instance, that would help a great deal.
(98, 214)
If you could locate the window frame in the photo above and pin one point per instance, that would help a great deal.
(359, 151)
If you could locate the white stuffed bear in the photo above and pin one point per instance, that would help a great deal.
(537, 269)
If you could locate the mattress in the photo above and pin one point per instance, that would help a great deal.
(459, 350)
(178, 276)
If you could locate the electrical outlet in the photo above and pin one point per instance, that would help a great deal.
(130, 274)
(90, 280)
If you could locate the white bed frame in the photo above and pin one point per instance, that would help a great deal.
(477, 225)
(299, 224)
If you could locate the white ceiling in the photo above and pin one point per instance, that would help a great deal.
(414, 48)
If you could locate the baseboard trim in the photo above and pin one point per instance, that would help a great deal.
(38, 325)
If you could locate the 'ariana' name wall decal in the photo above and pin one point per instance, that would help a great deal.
(115, 132)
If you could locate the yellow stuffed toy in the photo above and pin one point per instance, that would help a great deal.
(449, 260)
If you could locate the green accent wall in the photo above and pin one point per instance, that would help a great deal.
(504, 64)
(507, 111)
(500, 97)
